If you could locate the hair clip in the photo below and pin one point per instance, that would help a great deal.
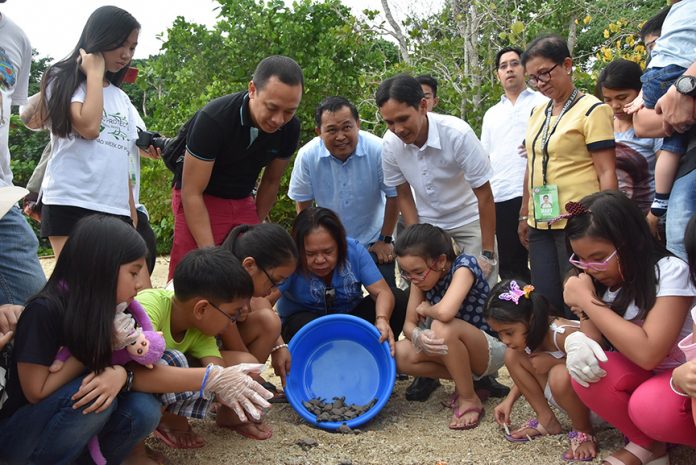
(573, 209)
(527, 290)
(514, 294)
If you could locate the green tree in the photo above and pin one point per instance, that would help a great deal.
(338, 54)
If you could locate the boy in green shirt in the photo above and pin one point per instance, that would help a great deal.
(211, 290)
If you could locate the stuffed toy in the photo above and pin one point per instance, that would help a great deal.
(134, 339)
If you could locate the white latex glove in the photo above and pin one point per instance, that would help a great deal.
(583, 357)
(234, 388)
(424, 340)
(126, 331)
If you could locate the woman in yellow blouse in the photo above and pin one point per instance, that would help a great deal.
(570, 154)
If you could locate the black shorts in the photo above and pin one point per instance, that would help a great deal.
(59, 220)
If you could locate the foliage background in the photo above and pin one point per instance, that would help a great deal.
(346, 54)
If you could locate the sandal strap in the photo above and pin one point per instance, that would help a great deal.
(534, 424)
(643, 454)
(578, 438)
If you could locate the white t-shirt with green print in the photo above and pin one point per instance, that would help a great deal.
(93, 174)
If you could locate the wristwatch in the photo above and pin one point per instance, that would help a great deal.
(488, 254)
(686, 85)
(386, 239)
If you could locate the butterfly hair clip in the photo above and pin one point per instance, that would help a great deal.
(514, 293)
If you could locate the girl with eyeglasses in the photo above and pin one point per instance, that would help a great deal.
(269, 255)
(333, 269)
(637, 296)
(446, 333)
(570, 154)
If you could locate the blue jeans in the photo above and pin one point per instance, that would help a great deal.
(682, 202)
(21, 275)
(656, 82)
(52, 432)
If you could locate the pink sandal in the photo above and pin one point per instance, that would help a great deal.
(644, 455)
(578, 438)
(533, 424)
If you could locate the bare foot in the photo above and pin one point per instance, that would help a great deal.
(258, 431)
(467, 413)
(175, 431)
(252, 430)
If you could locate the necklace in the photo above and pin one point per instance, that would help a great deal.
(547, 131)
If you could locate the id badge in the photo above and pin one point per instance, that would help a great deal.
(546, 205)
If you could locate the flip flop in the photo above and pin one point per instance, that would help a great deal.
(532, 423)
(481, 412)
(644, 456)
(578, 438)
(165, 435)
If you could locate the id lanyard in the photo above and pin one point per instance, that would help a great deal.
(547, 131)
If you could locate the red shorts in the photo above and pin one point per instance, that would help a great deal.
(224, 215)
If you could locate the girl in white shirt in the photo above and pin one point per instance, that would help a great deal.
(637, 296)
(93, 126)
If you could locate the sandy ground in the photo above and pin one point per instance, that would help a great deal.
(403, 433)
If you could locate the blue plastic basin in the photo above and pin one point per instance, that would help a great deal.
(336, 356)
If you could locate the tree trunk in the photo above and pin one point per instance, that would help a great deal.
(572, 34)
(397, 32)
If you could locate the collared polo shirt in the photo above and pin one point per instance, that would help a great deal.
(224, 133)
(442, 173)
(504, 125)
(353, 189)
(586, 127)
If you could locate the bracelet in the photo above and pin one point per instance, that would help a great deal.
(278, 347)
(129, 381)
(523, 218)
(205, 378)
(384, 317)
(676, 391)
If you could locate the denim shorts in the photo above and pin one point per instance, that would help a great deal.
(656, 81)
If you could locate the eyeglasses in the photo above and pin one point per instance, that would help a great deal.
(594, 266)
(534, 80)
(273, 281)
(416, 278)
(232, 319)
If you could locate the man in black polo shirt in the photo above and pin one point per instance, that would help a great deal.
(232, 139)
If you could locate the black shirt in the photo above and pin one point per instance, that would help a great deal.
(222, 133)
(38, 337)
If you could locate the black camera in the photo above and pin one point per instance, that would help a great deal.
(148, 138)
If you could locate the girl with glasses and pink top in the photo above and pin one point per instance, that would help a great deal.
(636, 296)
(446, 334)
